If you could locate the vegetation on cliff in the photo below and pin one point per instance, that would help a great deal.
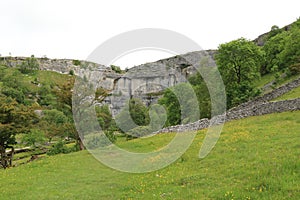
(246, 68)
(36, 105)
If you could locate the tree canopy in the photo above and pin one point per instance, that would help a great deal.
(239, 63)
(14, 119)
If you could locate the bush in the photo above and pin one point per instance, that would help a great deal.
(117, 69)
(76, 62)
(33, 138)
(95, 140)
(110, 134)
(18, 95)
(139, 131)
(29, 65)
(295, 69)
(277, 77)
(74, 148)
(71, 72)
(60, 147)
(101, 93)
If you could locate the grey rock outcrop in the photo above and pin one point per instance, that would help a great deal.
(146, 81)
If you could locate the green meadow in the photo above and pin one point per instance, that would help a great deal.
(255, 158)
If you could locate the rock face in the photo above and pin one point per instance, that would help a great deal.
(146, 81)
(92, 71)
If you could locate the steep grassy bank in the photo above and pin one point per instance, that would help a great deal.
(255, 158)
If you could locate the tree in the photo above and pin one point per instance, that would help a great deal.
(291, 53)
(52, 123)
(64, 96)
(64, 100)
(181, 104)
(105, 118)
(239, 62)
(14, 119)
(282, 50)
(33, 137)
(273, 49)
(138, 112)
(12, 80)
(29, 65)
(274, 31)
(46, 97)
(133, 114)
(83, 109)
(203, 95)
(172, 106)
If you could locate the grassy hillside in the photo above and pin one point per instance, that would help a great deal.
(268, 79)
(293, 94)
(48, 78)
(255, 158)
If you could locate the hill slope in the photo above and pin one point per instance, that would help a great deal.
(255, 158)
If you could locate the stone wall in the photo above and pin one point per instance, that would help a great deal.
(256, 107)
(151, 78)
(260, 109)
(270, 96)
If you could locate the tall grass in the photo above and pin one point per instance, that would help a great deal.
(255, 158)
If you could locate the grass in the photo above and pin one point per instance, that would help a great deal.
(288, 79)
(260, 82)
(293, 94)
(48, 78)
(255, 158)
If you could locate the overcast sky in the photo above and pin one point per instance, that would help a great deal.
(73, 29)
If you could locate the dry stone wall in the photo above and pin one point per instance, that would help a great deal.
(256, 107)
(261, 109)
(270, 96)
(152, 78)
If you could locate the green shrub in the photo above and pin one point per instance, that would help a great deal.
(71, 72)
(76, 62)
(59, 147)
(110, 134)
(95, 140)
(33, 138)
(117, 69)
(74, 148)
(295, 69)
(139, 131)
(101, 93)
(277, 77)
(29, 65)
(18, 95)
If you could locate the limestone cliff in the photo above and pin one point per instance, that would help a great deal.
(146, 81)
